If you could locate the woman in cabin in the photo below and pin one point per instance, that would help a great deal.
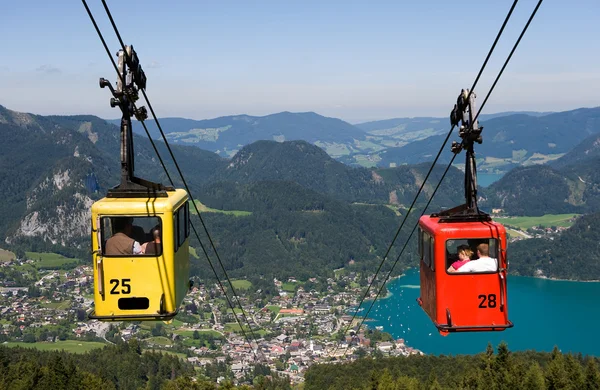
(464, 253)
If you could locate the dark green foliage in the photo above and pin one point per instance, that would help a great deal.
(574, 254)
(122, 366)
(503, 370)
(304, 233)
(533, 191)
(592, 375)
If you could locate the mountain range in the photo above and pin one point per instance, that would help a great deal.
(297, 202)
(510, 139)
(270, 201)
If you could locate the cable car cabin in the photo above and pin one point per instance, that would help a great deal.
(141, 256)
(474, 297)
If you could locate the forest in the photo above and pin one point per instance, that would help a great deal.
(126, 366)
(122, 366)
(491, 370)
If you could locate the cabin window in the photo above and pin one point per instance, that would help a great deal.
(127, 236)
(181, 225)
(182, 220)
(470, 258)
(187, 218)
(426, 249)
(176, 230)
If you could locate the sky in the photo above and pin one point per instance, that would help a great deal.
(354, 60)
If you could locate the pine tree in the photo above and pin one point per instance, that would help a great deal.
(386, 381)
(592, 376)
(574, 372)
(556, 373)
(502, 368)
(435, 385)
(534, 378)
(407, 383)
(473, 380)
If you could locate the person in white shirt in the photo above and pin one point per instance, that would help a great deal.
(483, 264)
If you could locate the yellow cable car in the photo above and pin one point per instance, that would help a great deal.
(141, 256)
(140, 230)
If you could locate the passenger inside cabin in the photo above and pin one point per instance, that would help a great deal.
(121, 242)
(464, 253)
(153, 247)
(138, 234)
(483, 264)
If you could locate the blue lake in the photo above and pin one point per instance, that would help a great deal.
(545, 313)
(486, 179)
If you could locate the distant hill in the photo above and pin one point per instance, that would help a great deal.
(418, 123)
(588, 149)
(384, 142)
(403, 125)
(542, 189)
(573, 255)
(312, 168)
(511, 140)
(225, 135)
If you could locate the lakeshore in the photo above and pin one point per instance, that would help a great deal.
(535, 304)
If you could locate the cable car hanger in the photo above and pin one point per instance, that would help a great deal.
(131, 78)
(463, 113)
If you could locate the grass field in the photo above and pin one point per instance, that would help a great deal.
(289, 286)
(160, 340)
(234, 327)
(538, 158)
(62, 305)
(174, 324)
(204, 209)
(274, 308)
(240, 284)
(6, 255)
(73, 346)
(545, 221)
(49, 260)
(190, 333)
(333, 149)
(367, 160)
(515, 233)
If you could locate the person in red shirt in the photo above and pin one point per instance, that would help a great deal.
(464, 256)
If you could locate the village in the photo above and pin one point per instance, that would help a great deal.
(287, 334)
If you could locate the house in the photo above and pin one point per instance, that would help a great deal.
(292, 311)
(385, 346)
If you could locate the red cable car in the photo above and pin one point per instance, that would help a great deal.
(463, 264)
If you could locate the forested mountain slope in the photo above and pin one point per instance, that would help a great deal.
(293, 231)
(575, 254)
(588, 149)
(542, 189)
(312, 168)
(53, 168)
